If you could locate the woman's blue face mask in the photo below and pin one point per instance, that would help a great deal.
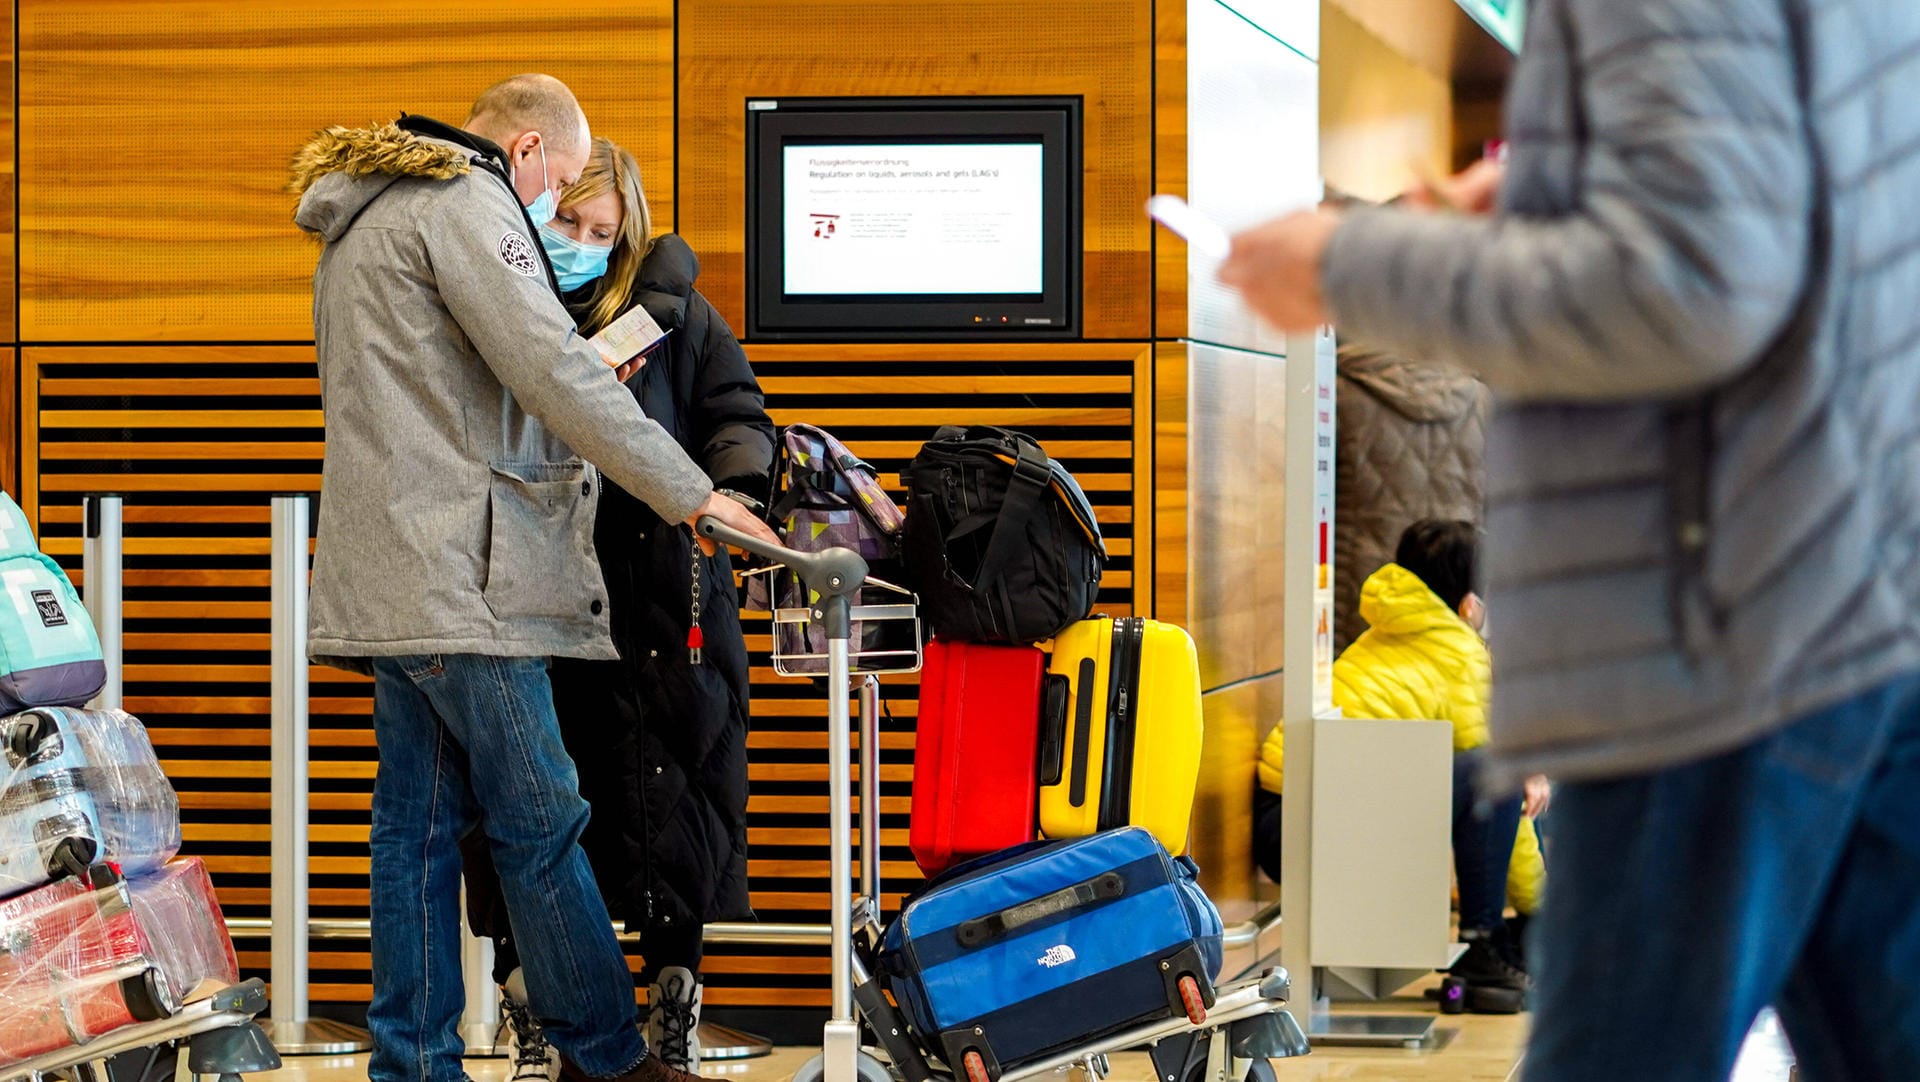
(574, 263)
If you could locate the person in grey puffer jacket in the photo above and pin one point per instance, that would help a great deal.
(1410, 444)
(1697, 299)
(455, 553)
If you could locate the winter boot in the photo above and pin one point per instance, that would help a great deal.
(673, 1018)
(530, 1057)
(1494, 985)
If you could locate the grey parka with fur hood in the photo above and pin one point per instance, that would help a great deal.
(457, 513)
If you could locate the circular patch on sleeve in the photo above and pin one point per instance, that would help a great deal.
(517, 252)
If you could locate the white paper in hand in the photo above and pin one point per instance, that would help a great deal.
(1203, 234)
(628, 337)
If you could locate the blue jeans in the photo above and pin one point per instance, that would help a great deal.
(1685, 901)
(461, 735)
(1483, 833)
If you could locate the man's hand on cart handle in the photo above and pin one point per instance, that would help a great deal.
(732, 515)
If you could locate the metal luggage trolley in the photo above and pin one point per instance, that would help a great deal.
(218, 1035)
(1249, 1014)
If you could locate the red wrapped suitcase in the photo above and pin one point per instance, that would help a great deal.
(974, 781)
(79, 961)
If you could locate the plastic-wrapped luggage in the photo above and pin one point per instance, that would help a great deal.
(80, 787)
(49, 653)
(973, 758)
(79, 961)
(1123, 742)
(1051, 945)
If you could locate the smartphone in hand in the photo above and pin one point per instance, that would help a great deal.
(1203, 234)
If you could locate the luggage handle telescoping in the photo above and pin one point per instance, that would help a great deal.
(835, 575)
(1104, 887)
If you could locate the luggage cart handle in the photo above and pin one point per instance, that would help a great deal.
(830, 573)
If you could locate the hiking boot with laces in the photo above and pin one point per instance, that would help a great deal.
(673, 1018)
(530, 1058)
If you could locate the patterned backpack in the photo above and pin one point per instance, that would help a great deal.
(826, 497)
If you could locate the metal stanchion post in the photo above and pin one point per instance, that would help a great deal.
(481, 1020)
(101, 561)
(870, 792)
(293, 1032)
(841, 1043)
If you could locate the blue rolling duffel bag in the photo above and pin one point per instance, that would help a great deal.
(1032, 951)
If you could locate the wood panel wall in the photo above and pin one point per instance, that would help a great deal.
(165, 343)
(154, 137)
(1384, 118)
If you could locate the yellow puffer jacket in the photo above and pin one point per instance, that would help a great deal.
(1417, 660)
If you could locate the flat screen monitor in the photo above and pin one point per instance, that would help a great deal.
(903, 218)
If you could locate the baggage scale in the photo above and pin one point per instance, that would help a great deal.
(1232, 1041)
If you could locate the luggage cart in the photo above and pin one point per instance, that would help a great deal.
(217, 1033)
(1249, 1017)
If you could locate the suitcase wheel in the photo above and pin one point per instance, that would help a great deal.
(24, 737)
(976, 1067)
(72, 856)
(146, 1000)
(1193, 1000)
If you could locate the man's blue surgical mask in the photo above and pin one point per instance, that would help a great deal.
(542, 208)
(574, 263)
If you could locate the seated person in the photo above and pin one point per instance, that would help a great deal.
(1422, 657)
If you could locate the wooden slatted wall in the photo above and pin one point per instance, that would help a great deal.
(199, 437)
(166, 347)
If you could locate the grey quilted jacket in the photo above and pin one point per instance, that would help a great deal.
(1410, 444)
(1700, 305)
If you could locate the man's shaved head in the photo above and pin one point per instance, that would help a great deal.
(526, 103)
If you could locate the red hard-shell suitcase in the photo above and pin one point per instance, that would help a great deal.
(79, 960)
(974, 759)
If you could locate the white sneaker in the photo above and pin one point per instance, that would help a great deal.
(673, 1018)
(530, 1058)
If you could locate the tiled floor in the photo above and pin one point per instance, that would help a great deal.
(1468, 1048)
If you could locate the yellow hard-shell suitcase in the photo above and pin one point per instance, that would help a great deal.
(1121, 731)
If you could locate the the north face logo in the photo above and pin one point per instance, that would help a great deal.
(1058, 956)
(517, 252)
(51, 614)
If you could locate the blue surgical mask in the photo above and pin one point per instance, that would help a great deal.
(542, 208)
(574, 263)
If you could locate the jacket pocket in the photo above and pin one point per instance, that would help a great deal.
(539, 548)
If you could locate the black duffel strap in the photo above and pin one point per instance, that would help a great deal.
(1101, 888)
(1032, 476)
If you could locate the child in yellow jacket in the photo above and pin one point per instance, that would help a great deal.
(1423, 657)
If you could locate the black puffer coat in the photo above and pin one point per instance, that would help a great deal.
(661, 745)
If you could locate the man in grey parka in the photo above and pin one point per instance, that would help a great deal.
(455, 553)
(1698, 299)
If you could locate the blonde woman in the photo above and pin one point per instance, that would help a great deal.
(659, 736)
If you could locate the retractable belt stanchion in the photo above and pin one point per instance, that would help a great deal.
(293, 1032)
(480, 1022)
(101, 561)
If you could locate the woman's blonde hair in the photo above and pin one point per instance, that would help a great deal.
(611, 169)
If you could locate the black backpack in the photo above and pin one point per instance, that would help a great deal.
(1000, 542)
